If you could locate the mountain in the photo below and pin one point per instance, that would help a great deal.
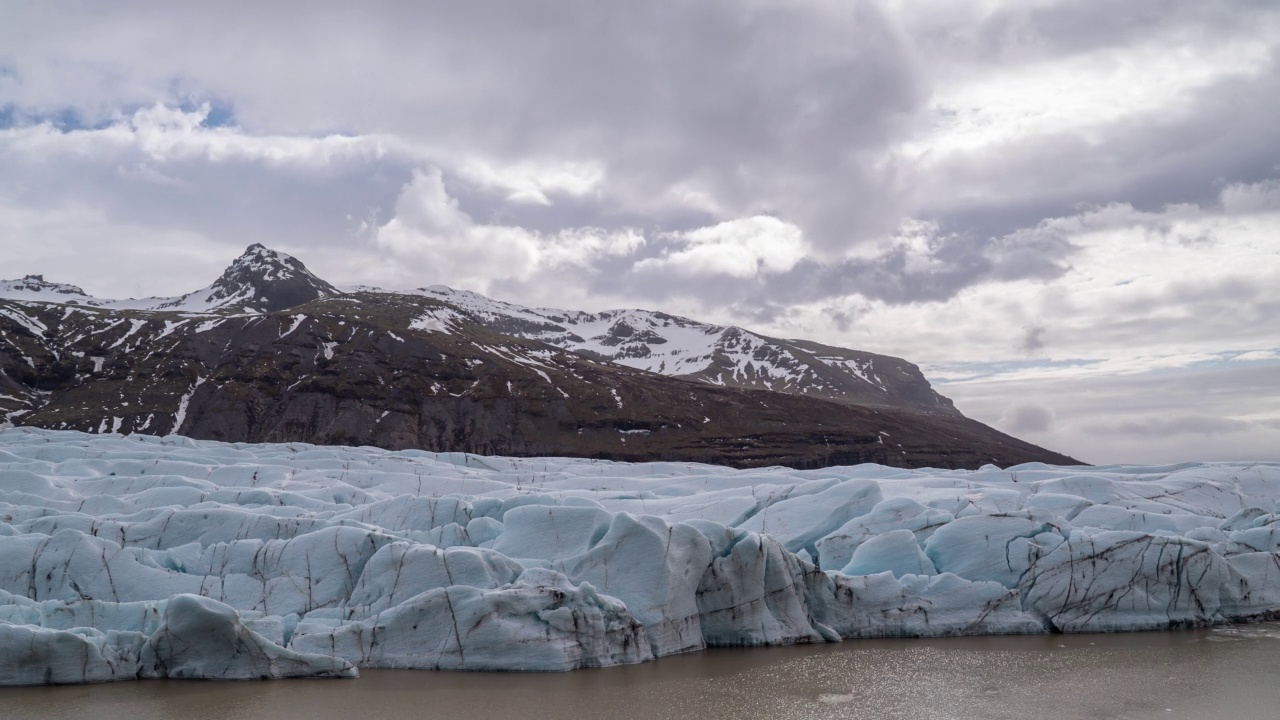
(36, 288)
(260, 280)
(270, 352)
(719, 355)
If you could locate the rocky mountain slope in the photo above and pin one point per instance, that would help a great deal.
(684, 348)
(270, 352)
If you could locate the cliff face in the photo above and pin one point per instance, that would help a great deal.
(418, 371)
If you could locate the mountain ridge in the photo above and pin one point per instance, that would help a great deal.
(270, 352)
(716, 354)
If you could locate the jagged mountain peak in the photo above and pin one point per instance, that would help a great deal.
(261, 266)
(258, 254)
(261, 280)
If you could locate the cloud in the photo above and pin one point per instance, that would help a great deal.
(1042, 106)
(922, 262)
(1027, 418)
(534, 182)
(166, 134)
(1254, 355)
(742, 248)
(1008, 192)
(1178, 425)
(1113, 284)
(76, 200)
(737, 101)
(1202, 411)
(1250, 198)
(1033, 340)
(434, 237)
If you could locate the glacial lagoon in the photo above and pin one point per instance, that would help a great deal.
(1229, 672)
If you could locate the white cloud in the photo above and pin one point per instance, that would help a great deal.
(435, 238)
(533, 181)
(742, 248)
(1204, 412)
(1139, 289)
(1250, 198)
(163, 134)
(1256, 355)
(1007, 104)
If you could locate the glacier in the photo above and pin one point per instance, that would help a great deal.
(126, 557)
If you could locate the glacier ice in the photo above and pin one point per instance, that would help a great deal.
(138, 556)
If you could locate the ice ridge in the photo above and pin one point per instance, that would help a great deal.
(138, 556)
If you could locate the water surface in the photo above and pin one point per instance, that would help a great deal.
(1192, 675)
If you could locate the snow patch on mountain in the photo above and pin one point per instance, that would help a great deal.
(435, 320)
(675, 346)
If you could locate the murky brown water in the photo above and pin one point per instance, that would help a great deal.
(1194, 675)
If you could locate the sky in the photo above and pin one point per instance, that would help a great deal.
(1067, 213)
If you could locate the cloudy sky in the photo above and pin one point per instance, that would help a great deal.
(1068, 213)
